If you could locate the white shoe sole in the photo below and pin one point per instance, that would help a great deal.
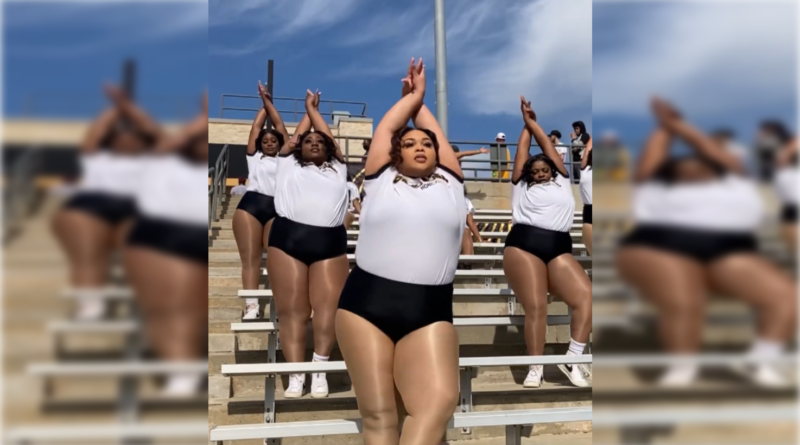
(532, 384)
(580, 384)
(319, 395)
(292, 395)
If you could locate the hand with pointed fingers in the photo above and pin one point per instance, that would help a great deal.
(316, 99)
(262, 91)
(418, 77)
(408, 86)
(527, 111)
(484, 150)
(310, 99)
(663, 110)
(113, 91)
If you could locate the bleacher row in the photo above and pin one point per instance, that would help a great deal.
(482, 300)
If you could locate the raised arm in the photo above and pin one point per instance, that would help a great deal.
(136, 115)
(272, 112)
(523, 153)
(447, 157)
(464, 154)
(197, 127)
(318, 122)
(302, 127)
(395, 119)
(255, 129)
(585, 157)
(541, 138)
(671, 120)
(98, 130)
(654, 154)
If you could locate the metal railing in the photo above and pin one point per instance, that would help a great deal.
(19, 191)
(298, 106)
(216, 190)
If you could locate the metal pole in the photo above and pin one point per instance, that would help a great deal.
(270, 67)
(129, 78)
(441, 64)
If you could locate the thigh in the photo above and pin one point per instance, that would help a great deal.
(662, 277)
(265, 234)
(369, 355)
(426, 368)
(157, 278)
(288, 279)
(326, 280)
(248, 233)
(527, 276)
(83, 236)
(751, 278)
(568, 280)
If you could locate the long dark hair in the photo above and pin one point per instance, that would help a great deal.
(330, 147)
(260, 140)
(527, 176)
(397, 138)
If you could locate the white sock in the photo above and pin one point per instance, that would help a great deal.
(319, 358)
(766, 348)
(251, 301)
(575, 348)
(183, 384)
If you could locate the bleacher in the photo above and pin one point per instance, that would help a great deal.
(248, 373)
(83, 382)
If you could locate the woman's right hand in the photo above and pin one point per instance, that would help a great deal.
(525, 107)
(265, 96)
(312, 100)
(417, 74)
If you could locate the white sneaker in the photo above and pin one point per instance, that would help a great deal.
(251, 312)
(679, 376)
(586, 369)
(534, 378)
(762, 375)
(182, 385)
(296, 384)
(90, 309)
(319, 386)
(574, 374)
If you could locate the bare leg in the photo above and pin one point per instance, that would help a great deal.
(467, 247)
(288, 279)
(248, 233)
(759, 283)
(426, 375)
(527, 276)
(173, 295)
(676, 285)
(87, 242)
(326, 281)
(789, 233)
(587, 237)
(265, 237)
(369, 355)
(568, 280)
(348, 220)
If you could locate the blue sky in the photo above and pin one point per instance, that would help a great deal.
(357, 50)
(724, 64)
(59, 54)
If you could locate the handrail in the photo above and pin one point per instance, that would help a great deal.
(299, 107)
(19, 192)
(216, 190)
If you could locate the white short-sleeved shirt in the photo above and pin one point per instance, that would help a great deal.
(311, 195)
(262, 172)
(786, 184)
(729, 204)
(411, 227)
(470, 207)
(549, 205)
(175, 189)
(111, 173)
(586, 185)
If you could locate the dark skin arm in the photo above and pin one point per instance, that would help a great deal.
(476, 234)
(198, 127)
(523, 153)
(98, 130)
(318, 122)
(302, 127)
(394, 119)
(655, 153)
(541, 138)
(464, 154)
(136, 115)
(786, 154)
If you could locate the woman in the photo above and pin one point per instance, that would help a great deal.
(166, 257)
(471, 232)
(696, 218)
(94, 222)
(538, 253)
(256, 211)
(586, 195)
(786, 185)
(395, 319)
(354, 203)
(307, 253)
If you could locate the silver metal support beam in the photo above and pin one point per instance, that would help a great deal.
(440, 43)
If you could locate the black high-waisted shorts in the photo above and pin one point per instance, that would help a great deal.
(394, 307)
(261, 206)
(308, 244)
(111, 209)
(183, 240)
(702, 245)
(541, 243)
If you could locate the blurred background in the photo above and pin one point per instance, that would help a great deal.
(79, 365)
(679, 356)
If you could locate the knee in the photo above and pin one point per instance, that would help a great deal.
(535, 309)
(439, 404)
(684, 306)
(380, 417)
(294, 314)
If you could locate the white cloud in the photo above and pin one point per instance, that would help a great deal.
(110, 26)
(709, 58)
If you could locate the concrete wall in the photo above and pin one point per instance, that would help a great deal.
(64, 133)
